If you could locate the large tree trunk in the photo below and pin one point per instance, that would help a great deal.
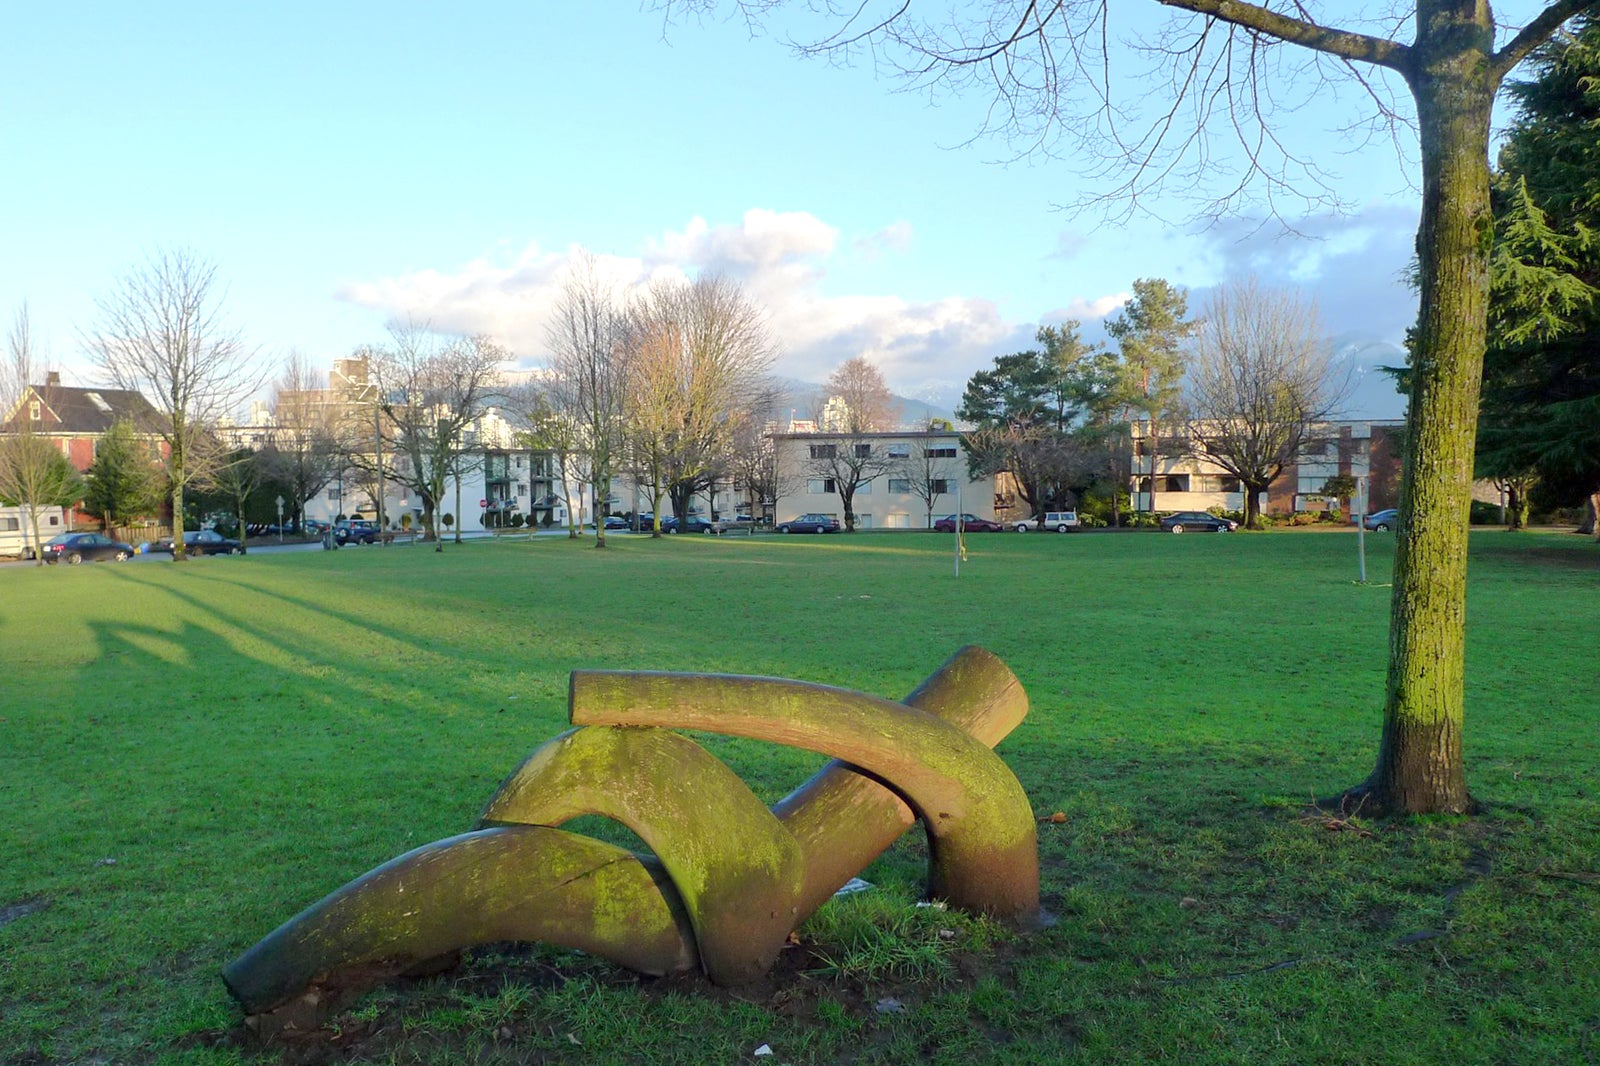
(1252, 502)
(1420, 766)
(179, 549)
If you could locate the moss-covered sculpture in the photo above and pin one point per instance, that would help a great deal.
(729, 879)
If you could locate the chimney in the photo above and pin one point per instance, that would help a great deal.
(52, 379)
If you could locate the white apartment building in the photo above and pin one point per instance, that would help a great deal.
(909, 471)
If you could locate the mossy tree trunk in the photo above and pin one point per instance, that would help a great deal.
(1420, 765)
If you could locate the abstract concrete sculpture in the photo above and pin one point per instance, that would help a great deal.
(729, 879)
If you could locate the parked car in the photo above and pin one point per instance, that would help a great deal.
(969, 522)
(75, 548)
(810, 523)
(1383, 521)
(615, 522)
(199, 542)
(692, 524)
(1189, 521)
(1050, 521)
(355, 531)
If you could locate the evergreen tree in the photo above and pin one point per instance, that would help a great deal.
(1541, 394)
(123, 483)
(1150, 331)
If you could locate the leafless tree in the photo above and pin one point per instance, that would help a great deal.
(698, 354)
(586, 359)
(430, 389)
(303, 449)
(756, 464)
(161, 333)
(856, 405)
(1261, 381)
(236, 475)
(927, 472)
(856, 399)
(1242, 71)
(33, 472)
(542, 407)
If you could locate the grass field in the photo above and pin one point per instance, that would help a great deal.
(190, 754)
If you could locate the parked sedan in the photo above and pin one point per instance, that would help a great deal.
(1190, 521)
(692, 524)
(810, 523)
(200, 542)
(969, 522)
(1383, 521)
(75, 548)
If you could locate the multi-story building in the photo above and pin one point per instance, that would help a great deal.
(904, 477)
(1367, 451)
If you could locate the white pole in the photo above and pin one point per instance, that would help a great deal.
(958, 528)
(1361, 531)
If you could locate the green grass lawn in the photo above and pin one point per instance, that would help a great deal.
(191, 754)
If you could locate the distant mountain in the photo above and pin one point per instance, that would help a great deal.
(803, 396)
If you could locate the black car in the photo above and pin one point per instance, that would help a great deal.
(692, 524)
(200, 542)
(1190, 521)
(810, 523)
(74, 548)
(355, 531)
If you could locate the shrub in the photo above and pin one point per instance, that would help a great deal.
(1485, 514)
(448, 519)
(516, 521)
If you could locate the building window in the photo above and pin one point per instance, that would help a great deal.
(863, 451)
(897, 521)
(899, 451)
(333, 495)
(522, 490)
(823, 451)
(820, 486)
(941, 485)
(34, 411)
(942, 451)
(900, 484)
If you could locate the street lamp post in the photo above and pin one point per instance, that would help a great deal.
(279, 502)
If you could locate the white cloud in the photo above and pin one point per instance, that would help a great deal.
(1089, 309)
(927, 348)
(1353, 265)
(895, 237)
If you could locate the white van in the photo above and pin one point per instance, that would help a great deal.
(16, 532)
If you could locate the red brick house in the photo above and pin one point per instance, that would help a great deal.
(74, 419)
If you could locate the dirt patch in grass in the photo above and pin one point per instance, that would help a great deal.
(12, 912)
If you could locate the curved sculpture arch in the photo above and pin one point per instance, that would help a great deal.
(729, 879)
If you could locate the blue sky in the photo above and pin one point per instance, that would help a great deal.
(346, 164)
